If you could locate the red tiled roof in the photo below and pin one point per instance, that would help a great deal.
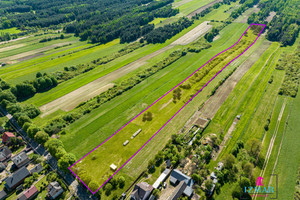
(30, 192)
(7, 135)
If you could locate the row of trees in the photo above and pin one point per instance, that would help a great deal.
(245, 5)
(284, 27)
(290, 63)
(41, 83)
(161, 34)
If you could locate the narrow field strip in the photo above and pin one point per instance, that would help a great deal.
(114, 152)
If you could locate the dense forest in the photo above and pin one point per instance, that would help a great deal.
(97, 21)
(284, 27)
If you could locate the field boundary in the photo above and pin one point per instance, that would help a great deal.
(176, 112)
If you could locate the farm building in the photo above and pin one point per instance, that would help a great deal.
(126, 142)
(185, 182)
(161, 178)
(113, 167)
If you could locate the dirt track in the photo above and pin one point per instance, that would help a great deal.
(11, 47)
(199, 10)
(86, 92)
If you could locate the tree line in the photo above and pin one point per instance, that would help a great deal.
(284, 26)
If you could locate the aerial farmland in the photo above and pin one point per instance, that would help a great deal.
(129, 96)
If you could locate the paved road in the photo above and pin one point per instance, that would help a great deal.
(80, 191)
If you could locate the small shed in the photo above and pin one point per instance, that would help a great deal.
(126, 142)
(113, 167)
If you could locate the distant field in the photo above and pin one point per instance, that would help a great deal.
(190, 6)
(10, 31)
(27, 70)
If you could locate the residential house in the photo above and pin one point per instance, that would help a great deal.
(16, 178)
(3, 195)
(7, 136)
(177, 177)
(29, 194)
(37, 169)
(5, 153)
(141, 191)
(178, 191)
(21, 159)
(2, 166)
(54, 190)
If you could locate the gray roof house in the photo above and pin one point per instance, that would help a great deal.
(37, 169)
(141, 191)
(3, 195)
(177, 177)
(54, 190)
(5, 153)
(16, 178)
(21, 159)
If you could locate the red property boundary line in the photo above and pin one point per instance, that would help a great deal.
(175, 113)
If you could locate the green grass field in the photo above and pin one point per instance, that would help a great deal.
(191, 6)
(10, 31)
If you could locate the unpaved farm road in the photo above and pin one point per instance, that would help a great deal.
(92, 89)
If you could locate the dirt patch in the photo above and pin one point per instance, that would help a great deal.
(27, 54)
(11, 47)
(21, 38)
(193, 34)
(165, 104)
(71, 100)
(199, 10)
(166, 193)
(217, 37)
(270, 17)
(31, 56)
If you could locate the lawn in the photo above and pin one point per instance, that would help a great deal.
(161, 111)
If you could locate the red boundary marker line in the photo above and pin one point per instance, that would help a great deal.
(175, 113)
